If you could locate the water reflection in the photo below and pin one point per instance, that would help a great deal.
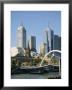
(36, 76)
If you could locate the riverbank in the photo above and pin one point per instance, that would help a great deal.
(35, 70)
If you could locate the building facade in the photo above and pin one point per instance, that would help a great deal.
(57, 42)
(32, 43)
(46, 41)
(21, 37)
(51, 39)
(43, 49)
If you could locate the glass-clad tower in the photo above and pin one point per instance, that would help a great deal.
(51, 39)
(57, 42)
(46, 41)
(32, 43)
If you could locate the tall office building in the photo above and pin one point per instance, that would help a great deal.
(21, 37)
(51, 39)
(57, 42)
(32, 43)
(46, 41)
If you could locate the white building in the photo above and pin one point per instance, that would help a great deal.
(17, 51)
(21, 37)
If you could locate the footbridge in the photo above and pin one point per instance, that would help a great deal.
(56, 54)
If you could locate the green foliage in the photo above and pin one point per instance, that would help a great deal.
(54, 61)
(13, 64)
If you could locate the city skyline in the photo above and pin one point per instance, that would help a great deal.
(36, 28)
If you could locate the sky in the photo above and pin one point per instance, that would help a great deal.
(35, 23)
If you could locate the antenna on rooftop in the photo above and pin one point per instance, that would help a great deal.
(21, 21)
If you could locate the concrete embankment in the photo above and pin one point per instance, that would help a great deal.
(37, 70)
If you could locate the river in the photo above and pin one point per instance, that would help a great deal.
(35, 76)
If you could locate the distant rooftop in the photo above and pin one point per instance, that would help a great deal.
(14, 51)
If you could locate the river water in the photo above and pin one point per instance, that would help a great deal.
(35, 76)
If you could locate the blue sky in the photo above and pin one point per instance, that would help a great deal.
(35, 22)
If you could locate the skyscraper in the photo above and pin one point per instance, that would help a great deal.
(57, 42)
(21, 37)
(32, 43)
(46, 41)
(50, 39)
